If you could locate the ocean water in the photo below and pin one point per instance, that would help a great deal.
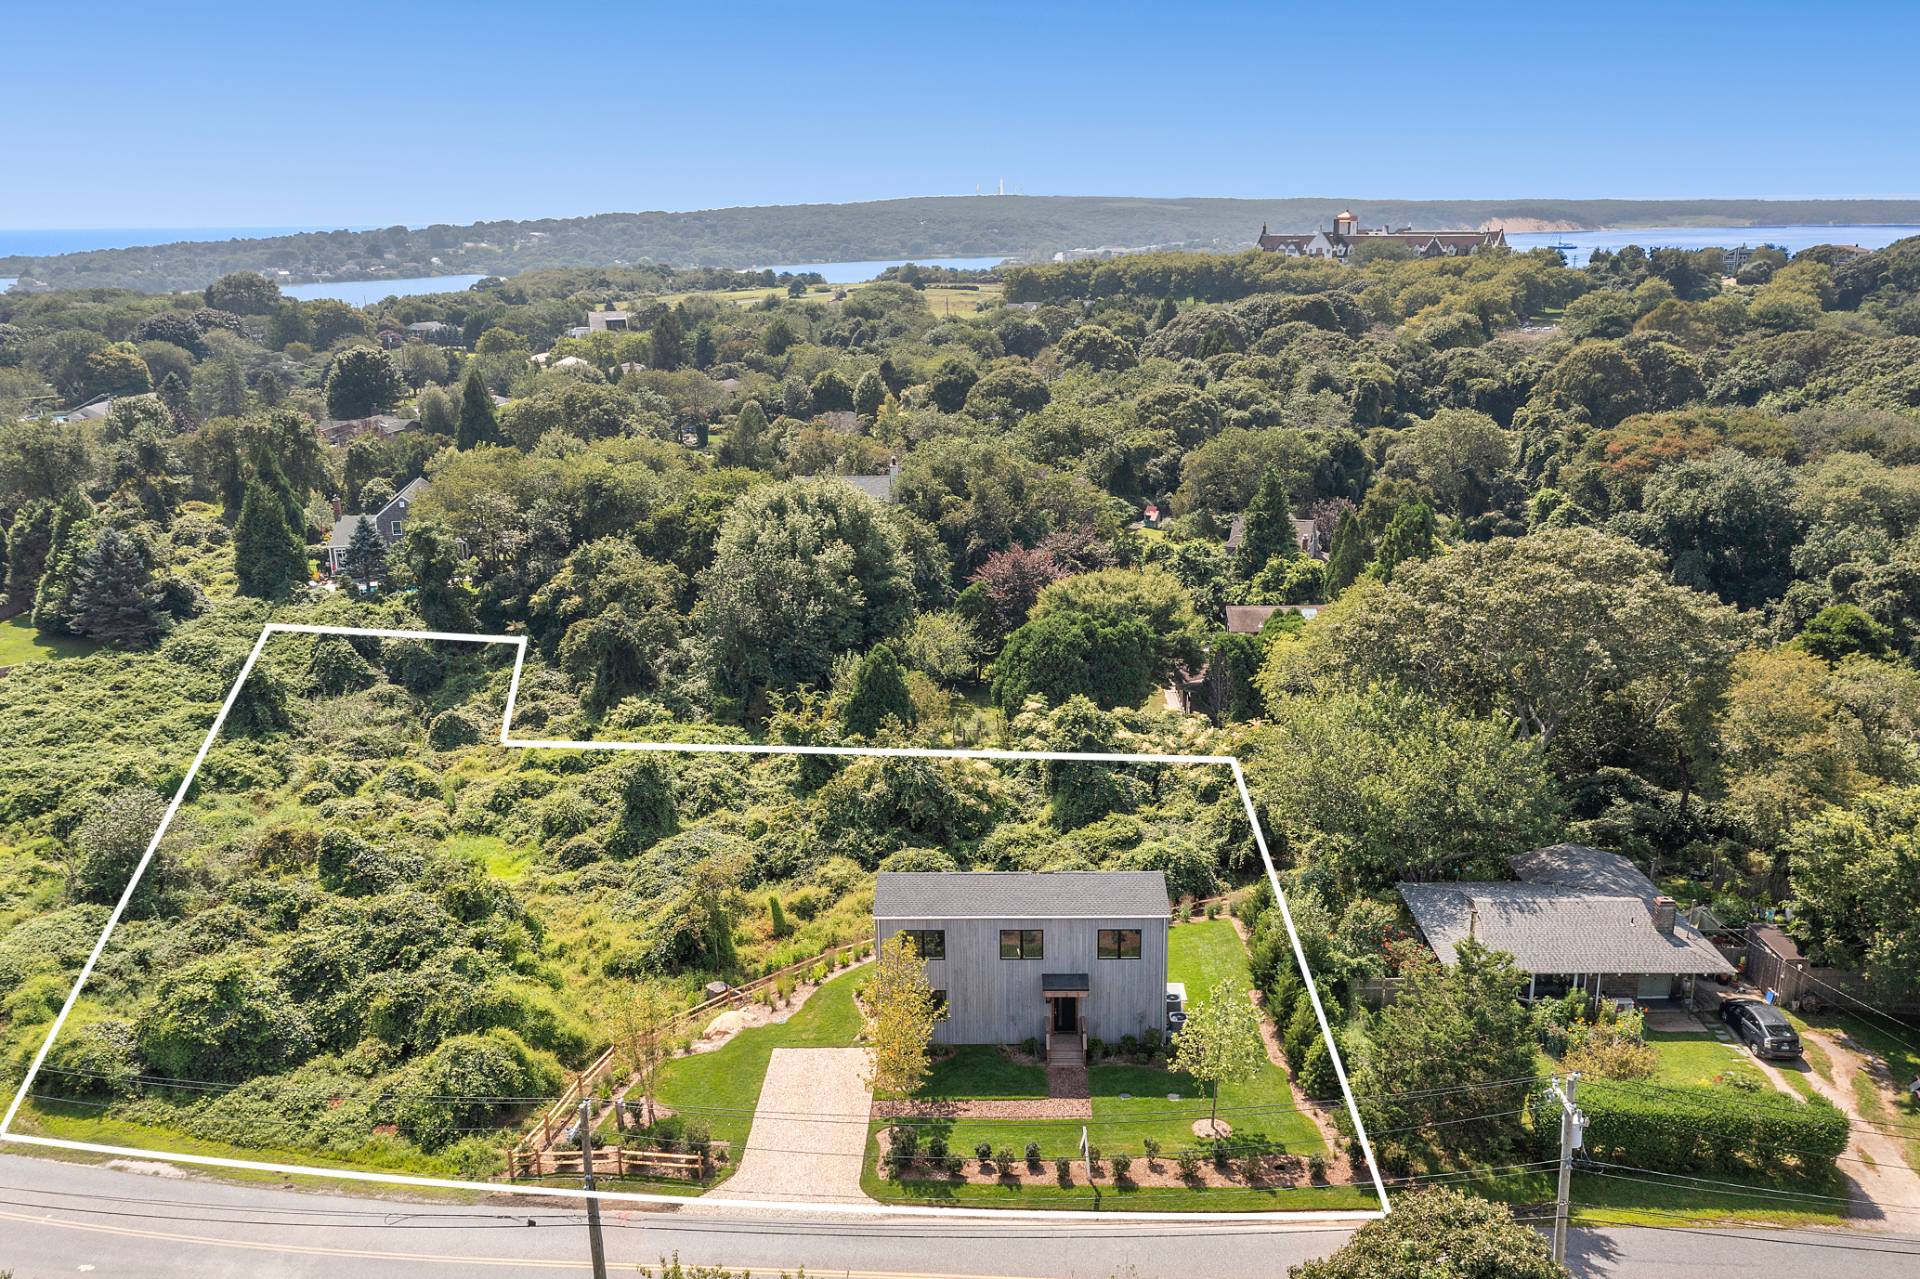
(1791, 238)
(861, 272)
(367, 292)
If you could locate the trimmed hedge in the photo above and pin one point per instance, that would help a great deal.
(1671, 1128)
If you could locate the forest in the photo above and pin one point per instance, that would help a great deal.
(1033, 227)
(1624, 555)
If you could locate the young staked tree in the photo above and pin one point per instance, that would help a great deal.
(366, 557)
(479, 424)
(1269, 531)
(901, 1017)
(644, 1029)
(1220, 1044)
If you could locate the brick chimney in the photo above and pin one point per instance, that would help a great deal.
(1664, 909)
(336, 506)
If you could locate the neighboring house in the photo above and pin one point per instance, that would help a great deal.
(609, 321)
(433, 331)
(877, 487)
(1305, 532)
(1247, 619)
(1346, 232)
(390, 522)
(338, 430)
(98, 407)
(1018, 955)
(571, 362)
(1578, 918)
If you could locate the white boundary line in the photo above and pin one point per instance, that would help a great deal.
(519, 643)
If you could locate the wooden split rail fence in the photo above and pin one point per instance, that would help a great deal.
(555, 1121)
(616, 1161)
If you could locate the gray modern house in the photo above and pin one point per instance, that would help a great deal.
(1056, 957)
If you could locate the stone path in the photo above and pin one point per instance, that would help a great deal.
(809, 1136)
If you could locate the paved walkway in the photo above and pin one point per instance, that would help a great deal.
(809, 1136)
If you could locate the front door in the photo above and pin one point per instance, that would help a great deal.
(1066, 1015)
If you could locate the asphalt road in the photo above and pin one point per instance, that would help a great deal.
(59, 1218)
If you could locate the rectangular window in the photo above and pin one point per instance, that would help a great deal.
(928, 943)
(1118, 943)
(396, 526)
(1022, 943)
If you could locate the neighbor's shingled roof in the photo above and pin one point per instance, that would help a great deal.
(1578, 910)
(1067, 894)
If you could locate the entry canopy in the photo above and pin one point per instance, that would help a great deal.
(1064, 984)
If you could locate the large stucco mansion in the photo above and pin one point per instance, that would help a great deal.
(1347, 232)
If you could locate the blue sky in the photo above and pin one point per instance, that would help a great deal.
(205, 114)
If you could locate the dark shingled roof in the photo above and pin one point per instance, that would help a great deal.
(1579, 910)
(1067, 894)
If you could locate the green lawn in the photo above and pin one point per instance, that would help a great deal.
(983, 1071)
(1613, 1201)
(19, 642)
(722, 1087)
(1698, 1057)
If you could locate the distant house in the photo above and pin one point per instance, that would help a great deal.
(1577, 918)
(98, 407)
(433, 331)
(1346, 233)
(578, 331)
(877, 487)
(1017, 955)
(570, 362)
(390, 522)
(1305, 532)
(609, 321)
(338, 430)
(1248, 619)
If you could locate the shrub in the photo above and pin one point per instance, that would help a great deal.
(1222, 1159)
(984, 1152)
(1317, 1168)
(936, 1148)
(1030, 1046)
(1705, 1130)
(955, 1165)
(1189, 1163)
(1129, 1046)
(1033, 1156)
(904, 1139)
(1096, 1047)
(1004, 1158)
(1063, 1171)
(1122, 1165)
(1152, 1146)
(778, 917)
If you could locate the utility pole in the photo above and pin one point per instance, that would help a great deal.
(593, 1200)
(1572, 1125)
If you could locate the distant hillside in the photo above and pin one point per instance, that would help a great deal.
(942, 226)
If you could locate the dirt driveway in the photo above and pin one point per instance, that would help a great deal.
(1883, 1189)
(809, 1136)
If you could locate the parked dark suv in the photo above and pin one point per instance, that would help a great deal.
(1762, 1027)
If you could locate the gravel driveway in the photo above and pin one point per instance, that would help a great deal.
(809, 1135)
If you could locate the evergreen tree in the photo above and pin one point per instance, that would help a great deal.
(868, 395)
(1269, 530)
(479, 424)
(703, 347)
(1347, 557)
(1409, 536)
(269, 553)
(879, 692)
(113, 596)
(69, 540)
(366, 557)
(669, 341)
(444, 604)
(1164, 313)
(173, 394)
(743, 444)
(230, 396)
